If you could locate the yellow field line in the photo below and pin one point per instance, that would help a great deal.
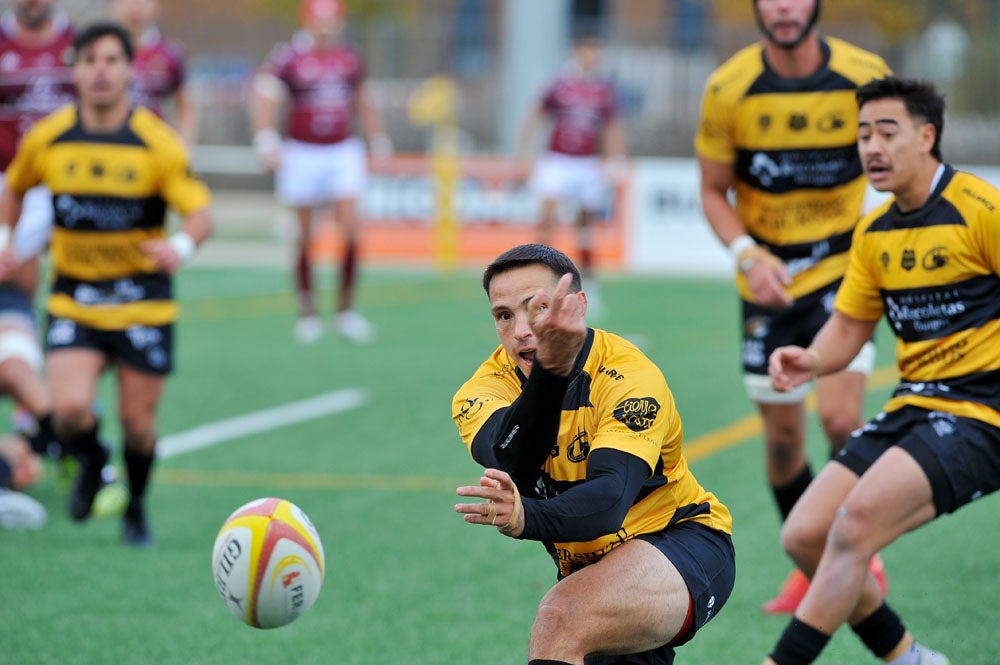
(698, 448)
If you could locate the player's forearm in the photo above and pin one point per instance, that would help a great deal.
(839, 341)
(615, 140)
(721, 216)
(590, 509)
(199, 225)
(11, 204)
(187, 118)
(520, 437)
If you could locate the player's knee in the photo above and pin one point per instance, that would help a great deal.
(802, 538)
(555, 620)
(839, 426)
(784, 454)
(73, 415)
(138, 433)
(850, 531)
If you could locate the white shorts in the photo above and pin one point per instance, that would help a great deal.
(311, 174)
(759, 387)
(577, 180)
(34, 228)
(18, 333)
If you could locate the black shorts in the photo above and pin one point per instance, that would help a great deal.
(706, 559)
(960, 456)
(145, 348)
(767, 328)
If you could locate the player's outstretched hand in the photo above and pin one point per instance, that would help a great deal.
(162, 254)
(559, 326)
(791, 366)
(767, 276)
(502, 507)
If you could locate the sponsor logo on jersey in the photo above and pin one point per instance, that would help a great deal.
(637, 413)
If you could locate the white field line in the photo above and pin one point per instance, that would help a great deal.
(212, 434)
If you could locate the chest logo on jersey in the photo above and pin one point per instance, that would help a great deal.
(935, 258)
(909, 259)
(579, 447)
(637, 413)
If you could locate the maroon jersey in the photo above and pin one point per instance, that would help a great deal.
(580, 107)
(158, 69)
(34, 80)
(323, 87)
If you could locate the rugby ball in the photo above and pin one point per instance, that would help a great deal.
(268, 563)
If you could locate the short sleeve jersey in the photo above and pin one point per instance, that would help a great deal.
(323, 87)
(799, 185)
(935, 274)
(617, 399)
(580, 107)
(159, 71)
(34, 81)
(110, 193)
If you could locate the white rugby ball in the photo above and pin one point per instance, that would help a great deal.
(268, 563)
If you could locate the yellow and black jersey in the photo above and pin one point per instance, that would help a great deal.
(617, 399)
(110, 193)
(935, 274)
(799, 185)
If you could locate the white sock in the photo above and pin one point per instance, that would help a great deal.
(911, 657)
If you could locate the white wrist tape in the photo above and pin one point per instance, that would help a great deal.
(4, 237)
(267, 142)
(183, 246)
(740, 245)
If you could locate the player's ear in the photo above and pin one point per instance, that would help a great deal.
(928, 134)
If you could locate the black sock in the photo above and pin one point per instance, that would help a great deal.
(788, 494)
(6, 474)
(881, 630)
(800, 644)
(44, 440)
(84, 444)
(138, 465)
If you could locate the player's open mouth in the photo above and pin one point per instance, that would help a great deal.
(528, 356)
(876, 169)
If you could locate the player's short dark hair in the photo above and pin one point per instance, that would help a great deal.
(533, 254)
(921, 98)
(86, 37)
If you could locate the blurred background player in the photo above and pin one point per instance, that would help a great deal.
(159, 66)
(36, 41)
(321, 160)
(20, 467)
(581, 106)
(111, 302)
(779, 128)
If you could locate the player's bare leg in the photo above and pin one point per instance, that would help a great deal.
(349, 321)
(632, 614)
(73, 376)
(547, 223)
(138, 395)
(308, 329)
